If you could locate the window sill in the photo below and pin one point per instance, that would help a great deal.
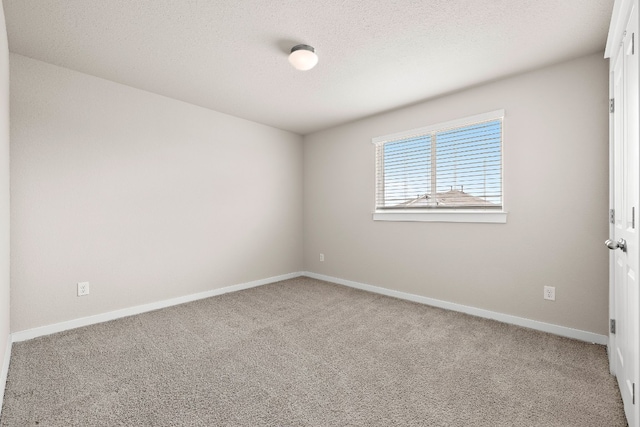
(442, 216)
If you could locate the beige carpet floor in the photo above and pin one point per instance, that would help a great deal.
(308, 353)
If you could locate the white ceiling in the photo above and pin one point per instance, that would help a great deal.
(231, 55)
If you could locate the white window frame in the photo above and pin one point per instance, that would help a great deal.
(444, 215)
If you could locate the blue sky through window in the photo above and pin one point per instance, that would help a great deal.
(468, 165)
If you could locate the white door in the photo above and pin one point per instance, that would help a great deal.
(624, 242)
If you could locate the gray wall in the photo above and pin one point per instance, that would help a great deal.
(149, 198)
(145, 197)
(556, 186)
(4, 192)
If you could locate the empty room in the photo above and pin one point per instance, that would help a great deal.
(319, 213)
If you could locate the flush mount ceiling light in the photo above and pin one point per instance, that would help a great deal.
(303, 57)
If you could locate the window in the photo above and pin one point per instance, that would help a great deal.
(447, 172)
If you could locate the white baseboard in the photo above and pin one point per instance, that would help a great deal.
(112, 315)
(501, 317)
(5, 371)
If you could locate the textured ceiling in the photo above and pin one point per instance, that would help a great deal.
(231, 55)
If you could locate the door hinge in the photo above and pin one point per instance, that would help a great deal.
(612, 105)
(633, 217)
(612, 216)
(612, 326)
(633, 43)
(633, 393)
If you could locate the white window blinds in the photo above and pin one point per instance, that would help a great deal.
(454, 165)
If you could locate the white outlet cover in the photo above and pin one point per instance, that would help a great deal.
(83, 288)
(549, 293)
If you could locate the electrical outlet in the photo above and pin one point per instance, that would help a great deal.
(321, 257)
(83, 288)
(550, 293)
